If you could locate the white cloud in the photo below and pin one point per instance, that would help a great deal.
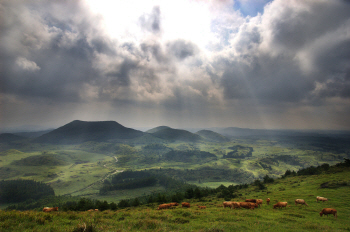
(26, 64)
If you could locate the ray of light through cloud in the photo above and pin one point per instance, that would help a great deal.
(257, 64)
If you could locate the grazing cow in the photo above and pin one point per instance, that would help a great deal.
(48, 209)
(327, 211)
(227, 204)
(321, 199)
(90, 210)
(236, 205)
(202, 207)
(174, 204)
(250, 200)
(248, 205)
(164, 206)
(280, 205)
(185, 204)
(259, 202)
(268, 201)
(301, 202)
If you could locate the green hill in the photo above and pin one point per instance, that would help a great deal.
(40, 160)
(8, 137)
(215, 217)
(156, 129)
(79, 131)
(173, 135)
(212, 136)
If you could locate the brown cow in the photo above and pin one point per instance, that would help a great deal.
(321, 199)
(280, 205)
(248, 205)
(268, 201)
(185, 204)
(227, 204)
(236, 205)
(259, 202)
(174, 204)
(164, 206)
(48, 209)
(301, 202)
(250, 200)
(327, 211)
(202, 207)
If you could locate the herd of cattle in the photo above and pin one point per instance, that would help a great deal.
(248, 204)
(255, 203)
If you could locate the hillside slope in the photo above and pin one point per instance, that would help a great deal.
(171, 134)
(215, 217)
(212, 136)
(79, 131)
(8, 137)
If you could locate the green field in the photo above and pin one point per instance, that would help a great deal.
(79, 170)
(214, 217)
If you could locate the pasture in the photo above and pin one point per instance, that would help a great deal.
(79, 170)
(214, 217)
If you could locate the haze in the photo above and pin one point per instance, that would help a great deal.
(282, 64)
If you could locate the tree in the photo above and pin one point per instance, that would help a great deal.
(197, 193)
(268, 179)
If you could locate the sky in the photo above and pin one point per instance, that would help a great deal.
(281, 64)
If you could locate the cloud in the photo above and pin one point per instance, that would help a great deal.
(289, 61)
(151, 22)
(182, 49)
(27, 64)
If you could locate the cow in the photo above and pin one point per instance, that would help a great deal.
(164, 206)
(327, 211)
(48, 209)
(174, 204)
(236, 205)
(248, 205)
(227, 204)
(202, 207)
(300, 201)
(268, 201)
(250, 200)
(321, 199)
(185, 204)
(280, 205)
(259, 202)
(92, 210)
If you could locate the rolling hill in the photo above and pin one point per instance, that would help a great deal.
(212, 136)
(81, 131)
(8, 137)
(171, 134)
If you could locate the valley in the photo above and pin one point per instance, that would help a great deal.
(76, 159)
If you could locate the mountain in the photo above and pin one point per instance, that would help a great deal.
(171, 134)
(8, 137)
(156, 129)
(33, 134)
(80, 131)
(212, 136)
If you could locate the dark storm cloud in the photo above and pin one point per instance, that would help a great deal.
(182, 49)
(296, 54)
(121, 77)
(154, 50)
(151, 22)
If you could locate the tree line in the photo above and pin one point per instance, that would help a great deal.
(13, 191)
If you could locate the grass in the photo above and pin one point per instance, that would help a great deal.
(214, 217)
(88, 164)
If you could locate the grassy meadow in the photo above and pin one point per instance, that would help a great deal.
(79, 170)
(214, 217)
